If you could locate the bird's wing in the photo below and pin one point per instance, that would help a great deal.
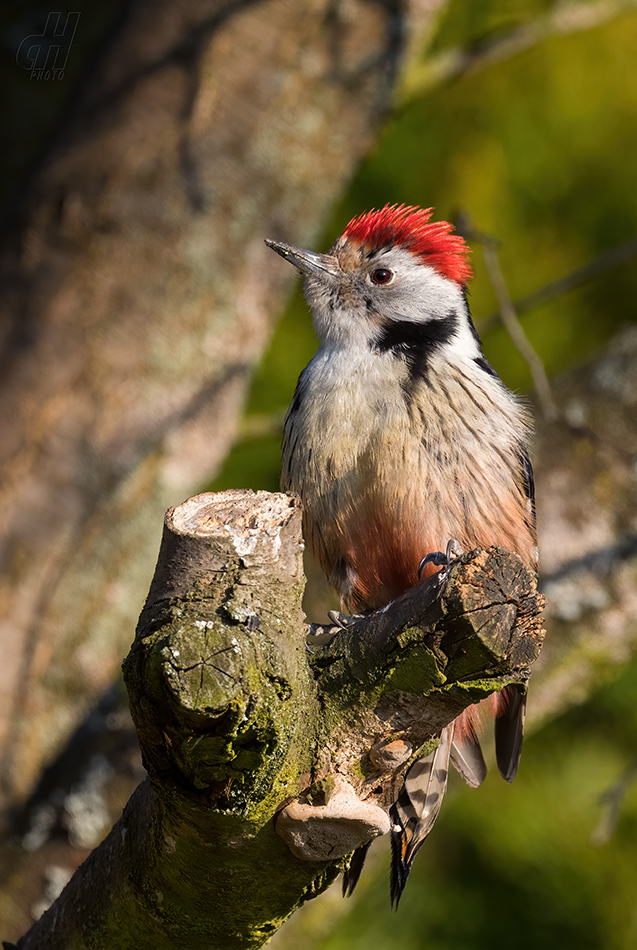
(416, 809)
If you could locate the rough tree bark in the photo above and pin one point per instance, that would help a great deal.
(137, 298)
(587, 519)
(237, 718)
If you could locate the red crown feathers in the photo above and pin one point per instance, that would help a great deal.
(408, 227)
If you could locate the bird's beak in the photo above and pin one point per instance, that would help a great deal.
(306, 261)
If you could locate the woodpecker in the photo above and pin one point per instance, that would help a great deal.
(399, 439)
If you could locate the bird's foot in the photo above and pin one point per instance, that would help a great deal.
(321, 634)
(442, 559)
(342, 620)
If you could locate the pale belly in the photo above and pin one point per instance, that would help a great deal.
(383, 485)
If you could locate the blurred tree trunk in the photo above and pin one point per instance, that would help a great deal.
(585, 464)
(138, 296)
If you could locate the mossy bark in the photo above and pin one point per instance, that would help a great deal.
(237, 718)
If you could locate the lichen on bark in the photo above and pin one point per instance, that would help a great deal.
(239, 722)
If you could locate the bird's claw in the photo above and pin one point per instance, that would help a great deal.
(320, 634)
(342, 620)
(440, 558)
(436, 557)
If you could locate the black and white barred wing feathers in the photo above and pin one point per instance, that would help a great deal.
(415, 811)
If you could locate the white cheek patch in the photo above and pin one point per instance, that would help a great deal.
(464, 345)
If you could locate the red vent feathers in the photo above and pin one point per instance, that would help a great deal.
(408, 227)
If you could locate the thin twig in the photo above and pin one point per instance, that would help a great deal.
(451, 63)
(611, 802)
(603, 262)
(509, 317)
(516, 332)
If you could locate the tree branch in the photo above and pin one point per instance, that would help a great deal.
(603, 262)
(510, 319)
(238, 720)
(560, 20)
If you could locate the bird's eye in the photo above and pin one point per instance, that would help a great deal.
(381, 275)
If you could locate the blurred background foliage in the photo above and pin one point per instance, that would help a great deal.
(539, 151)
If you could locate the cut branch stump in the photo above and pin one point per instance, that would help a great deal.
(241, 724)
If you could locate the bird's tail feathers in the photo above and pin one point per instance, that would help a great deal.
(467, 758)
(509, 730)
(353, 872)
(415, 810)
(508, 708)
